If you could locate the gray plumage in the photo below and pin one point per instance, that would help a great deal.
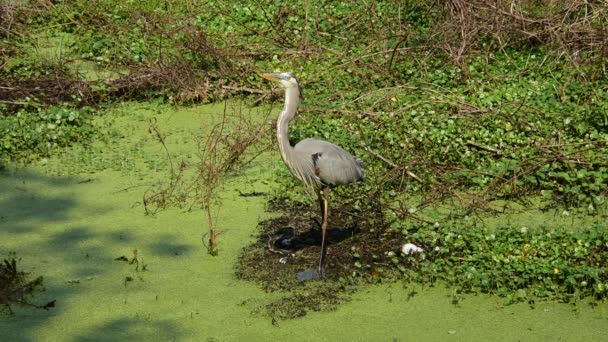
(332, 165)
(320, 165)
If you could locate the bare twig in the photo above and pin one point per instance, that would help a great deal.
(483, 147)
(377, 155)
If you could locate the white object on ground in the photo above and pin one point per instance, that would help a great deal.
(410, 248)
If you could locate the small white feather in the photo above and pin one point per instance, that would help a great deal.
(410, 248)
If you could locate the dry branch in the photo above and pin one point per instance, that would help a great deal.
(395, 166)
(483, 147)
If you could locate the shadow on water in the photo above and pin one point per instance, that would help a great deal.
(166, 246)
(21, 198)
(133, 329)
(33, 210)
(290, 239)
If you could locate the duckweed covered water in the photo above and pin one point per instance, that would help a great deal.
(69, 218)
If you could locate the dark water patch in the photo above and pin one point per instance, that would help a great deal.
(285, 256)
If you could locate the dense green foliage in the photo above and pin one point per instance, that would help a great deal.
(37, 133)
(500, 133)
(520, 264)
(444, 100)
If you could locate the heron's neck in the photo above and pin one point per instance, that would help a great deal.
(292, 99)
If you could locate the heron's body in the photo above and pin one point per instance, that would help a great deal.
(319, 164)
(332, 165)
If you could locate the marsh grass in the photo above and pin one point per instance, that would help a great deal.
(17, 288)
(229, 144)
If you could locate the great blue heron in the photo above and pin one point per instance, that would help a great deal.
(320, 165)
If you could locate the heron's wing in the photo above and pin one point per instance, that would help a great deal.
(332, 164)
(302, 166)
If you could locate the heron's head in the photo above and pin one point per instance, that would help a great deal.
(285, 79)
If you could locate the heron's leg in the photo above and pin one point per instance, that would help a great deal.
(324, 230)
(321, 206)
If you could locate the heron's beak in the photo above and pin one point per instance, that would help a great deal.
(272, 77)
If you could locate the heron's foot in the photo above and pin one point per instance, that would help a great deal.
(321, 269)
(322, 272)
(309, 274)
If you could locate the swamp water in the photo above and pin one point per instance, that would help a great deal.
(68, 218)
